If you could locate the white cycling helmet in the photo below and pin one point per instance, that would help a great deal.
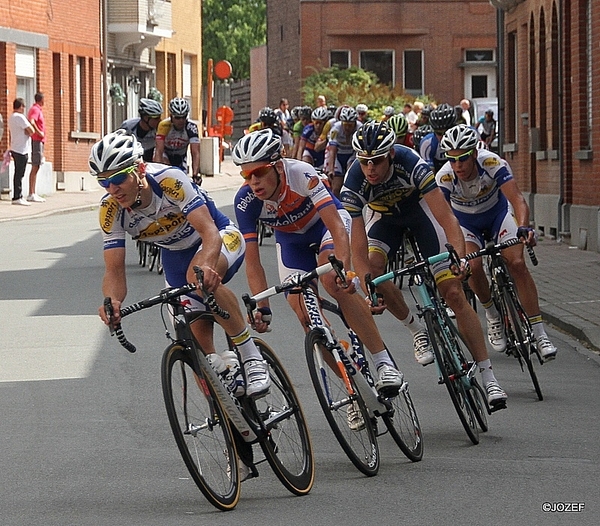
(115, 151)
(388, 111)
(179, 107)
(320, 114)
(362, 108)
(460, 137)
(348, 114)
(150, 107)
(261, 145)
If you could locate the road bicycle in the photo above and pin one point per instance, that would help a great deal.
(343, 381)
(149, 252)
(214, 429)
(455, 371)
(405, 255)
(520, 340)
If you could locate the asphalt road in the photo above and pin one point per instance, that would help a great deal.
(85, 438)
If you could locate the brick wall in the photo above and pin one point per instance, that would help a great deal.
(73, 31)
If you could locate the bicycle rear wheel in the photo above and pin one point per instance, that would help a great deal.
(521, 336)
(288, 448)
(201, 429)
(403, 424)
(443, 342)
(360, 443)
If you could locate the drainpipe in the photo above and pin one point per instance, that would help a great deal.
(500, 77)
(561, 157)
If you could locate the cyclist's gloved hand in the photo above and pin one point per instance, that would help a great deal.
(262, 319)
(528, 234)
(265, 314)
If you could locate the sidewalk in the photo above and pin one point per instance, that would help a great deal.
(568, 279)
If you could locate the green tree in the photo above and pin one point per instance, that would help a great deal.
(230, 28)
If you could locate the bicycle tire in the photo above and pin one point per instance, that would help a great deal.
(142, 252)
(403, 424)
(451, 377)
(361, 445)
(201, 429)
(478, 401)
(521, 335)
(288, 448)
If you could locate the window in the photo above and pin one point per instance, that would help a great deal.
(413, 72)
(479, 55)
(187, 79)
(339, 58)
(25, 73)
(379, 62)
(79, 73)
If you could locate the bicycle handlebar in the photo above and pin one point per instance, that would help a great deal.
(372, 283)
(495, 248)
(295, 281)
(164, 296)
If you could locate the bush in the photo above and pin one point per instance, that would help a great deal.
(353, 86)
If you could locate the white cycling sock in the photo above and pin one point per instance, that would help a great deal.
(413, 323)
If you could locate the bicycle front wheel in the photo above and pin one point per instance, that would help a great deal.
(337, 396)
(288, 447)
(403, 424)
(201, 429)
(443, 341)
(522, 336)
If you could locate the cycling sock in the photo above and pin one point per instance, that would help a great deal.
(413, 323)
(245, 345)
(537, 325)
(487, 374)
(491, 312)
(379, 358)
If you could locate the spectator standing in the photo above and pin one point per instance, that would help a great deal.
(21, 131)
(36, 119)
(411, 117)
(488, 127)
(321, 101)
(465, 104)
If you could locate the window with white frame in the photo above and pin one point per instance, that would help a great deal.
(25, 73)
(187, 78)
(340, 58)
(379, 62)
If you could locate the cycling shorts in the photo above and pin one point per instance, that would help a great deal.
(177, 262)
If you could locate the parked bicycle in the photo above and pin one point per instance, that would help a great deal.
(343, 382)
(455, 370)
(521, 342)
(149, 252)
(214, 429)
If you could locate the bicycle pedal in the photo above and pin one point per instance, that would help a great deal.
(500, 404)
(389, 392)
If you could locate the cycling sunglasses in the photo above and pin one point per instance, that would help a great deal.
(462, 158)
(259, 171)
(116, 178)
(375, 161)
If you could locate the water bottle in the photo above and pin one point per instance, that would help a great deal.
(235, 378)
(217, 363)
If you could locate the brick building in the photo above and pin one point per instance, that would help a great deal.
(551, 80)
(36, 56)
(443, 48)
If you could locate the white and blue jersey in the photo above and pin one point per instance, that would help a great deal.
(432, 153)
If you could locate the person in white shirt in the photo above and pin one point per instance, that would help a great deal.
(21, 131)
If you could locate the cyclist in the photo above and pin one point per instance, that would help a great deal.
(341, 153)
(398, 190)
(362, 113)
(304, 120)
(310, 135)
(399, 124)
(484, 196)
(418, 135)
(173, 137)
(159, 203)
(144, 127)
(441, 119)
(290, 196)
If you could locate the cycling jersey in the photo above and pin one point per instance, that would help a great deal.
(310, 137)
(432, 153)
(396, 204)
(294, 216)
(177, 141)
(409, 179)
(479, 205)
(163, 222)
(146, 138)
